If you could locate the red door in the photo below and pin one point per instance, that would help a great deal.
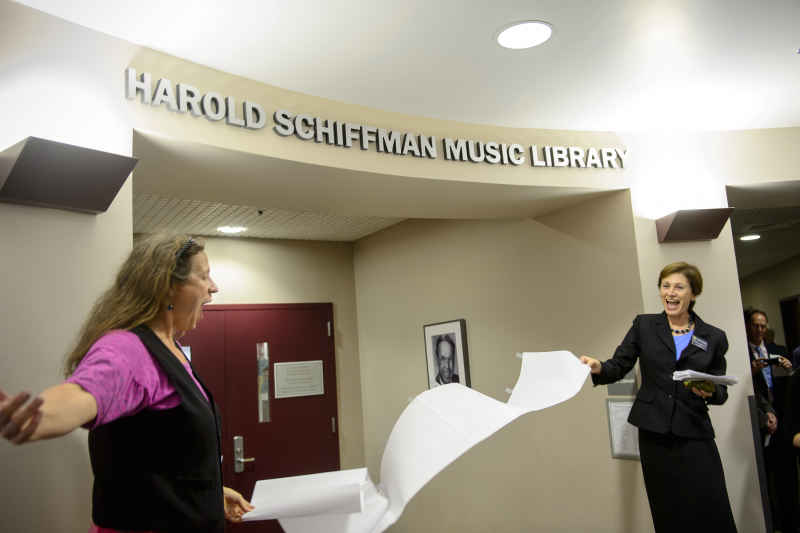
(300, 436)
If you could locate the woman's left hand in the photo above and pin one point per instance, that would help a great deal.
(703, 394)
(235, 505)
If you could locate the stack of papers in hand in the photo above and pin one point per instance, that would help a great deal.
(329, 492)
(693, 375)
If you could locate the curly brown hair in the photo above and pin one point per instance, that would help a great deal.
(141, 289)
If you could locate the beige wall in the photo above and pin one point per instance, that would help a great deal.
(687, 170)
(53, 263)
(250, 271)
(566, 281)
(765, 289)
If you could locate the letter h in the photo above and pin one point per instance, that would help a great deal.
(142, 84)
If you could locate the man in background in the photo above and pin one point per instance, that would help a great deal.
(771, 384)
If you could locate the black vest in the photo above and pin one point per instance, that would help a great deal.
(160, 470)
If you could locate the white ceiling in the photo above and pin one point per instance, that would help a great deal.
(612, 65)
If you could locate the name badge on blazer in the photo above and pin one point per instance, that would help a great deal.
(700, 343)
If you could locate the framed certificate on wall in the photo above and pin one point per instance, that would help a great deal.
(623, 436)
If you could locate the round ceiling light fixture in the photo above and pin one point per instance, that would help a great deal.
(231, 230)
(751, 237)
(527, 34)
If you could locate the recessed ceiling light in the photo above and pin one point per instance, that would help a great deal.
(521, 35)
(231, 229)
(752, 237)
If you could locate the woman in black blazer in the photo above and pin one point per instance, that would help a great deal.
(680, 462)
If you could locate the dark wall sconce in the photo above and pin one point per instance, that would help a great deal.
(46, 173)
(692, 224)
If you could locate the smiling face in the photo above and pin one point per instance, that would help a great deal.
(676, 295)
(189, 297)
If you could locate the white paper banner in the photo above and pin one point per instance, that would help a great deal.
(436, 428)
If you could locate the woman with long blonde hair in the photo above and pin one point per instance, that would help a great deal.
(153, 426)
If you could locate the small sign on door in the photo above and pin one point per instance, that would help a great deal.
(302, 378)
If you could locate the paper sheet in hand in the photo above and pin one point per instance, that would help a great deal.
(436, 428)
(693, 375)
(330, 492)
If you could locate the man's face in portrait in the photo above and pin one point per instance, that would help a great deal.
(445, 360)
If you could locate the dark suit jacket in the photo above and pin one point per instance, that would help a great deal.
(760, 388)
(775, 401)
(765, 397)
(791, 421)
(663, 405)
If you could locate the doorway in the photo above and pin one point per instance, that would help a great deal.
(764, 226)
(285, 426)
(790, 315)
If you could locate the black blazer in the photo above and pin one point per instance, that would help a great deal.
(663, 405)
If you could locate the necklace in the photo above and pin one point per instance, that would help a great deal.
(683, 331)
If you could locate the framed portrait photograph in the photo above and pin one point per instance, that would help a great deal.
(446, 353)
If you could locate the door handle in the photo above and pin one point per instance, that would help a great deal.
(238, 455)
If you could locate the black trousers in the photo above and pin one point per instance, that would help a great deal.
(685, 484)
(781, 466)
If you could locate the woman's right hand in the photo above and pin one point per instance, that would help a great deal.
(595, 366)
(17, 420)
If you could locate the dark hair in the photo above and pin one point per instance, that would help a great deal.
(691, 272)
(448, 340)
(748, 314)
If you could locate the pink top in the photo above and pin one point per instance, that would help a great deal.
(124, 379)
